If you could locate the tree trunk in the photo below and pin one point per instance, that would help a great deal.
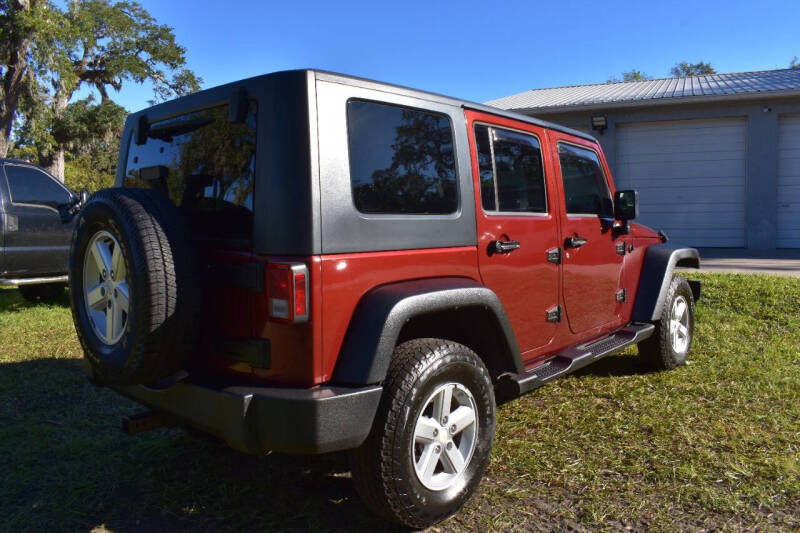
(9, 99)
(55, 163)
(5, 142)
(16, 66)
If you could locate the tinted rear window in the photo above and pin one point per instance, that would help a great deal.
(206, 165)
(402, 160)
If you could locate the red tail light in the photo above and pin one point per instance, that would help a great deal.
(287, 292)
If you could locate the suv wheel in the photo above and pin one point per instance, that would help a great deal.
(133, 286)
(669, 345)
(431, 439)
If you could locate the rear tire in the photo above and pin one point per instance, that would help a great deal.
(134, 287)
(41, 293)
(431, 439)
(668, 347)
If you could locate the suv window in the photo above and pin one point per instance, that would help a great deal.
(206, 165)
(402, 160)
(28, 185)
(585, 186)
(511, 171)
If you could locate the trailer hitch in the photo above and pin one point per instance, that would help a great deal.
(145, 421)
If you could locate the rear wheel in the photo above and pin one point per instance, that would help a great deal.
(41, 293)
(432, 436)
(669, 345)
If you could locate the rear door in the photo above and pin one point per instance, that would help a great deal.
(592, 263)
(205, 164)
(39, 243)
(517, 224)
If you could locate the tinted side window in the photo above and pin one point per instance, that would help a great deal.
(402, 160)
(206, 165)
(511, 171)
(585, 185)
(31, 186)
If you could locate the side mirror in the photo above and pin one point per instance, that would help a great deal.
(84, 197)
(626, 205)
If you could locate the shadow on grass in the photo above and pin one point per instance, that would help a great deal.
(66, 466)
(11, 300)
(616, 366)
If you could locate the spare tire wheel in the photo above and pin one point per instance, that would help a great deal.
(134, 287)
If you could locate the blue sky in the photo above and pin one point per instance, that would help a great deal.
(474, 50)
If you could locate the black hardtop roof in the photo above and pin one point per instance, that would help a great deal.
(209, 95)
(440, 98)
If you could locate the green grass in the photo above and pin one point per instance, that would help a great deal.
(713, 445)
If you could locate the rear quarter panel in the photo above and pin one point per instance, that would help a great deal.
(348, 277)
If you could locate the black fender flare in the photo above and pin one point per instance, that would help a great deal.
(381, 314)
(659, 263)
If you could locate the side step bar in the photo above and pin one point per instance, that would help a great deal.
(572, 359)
(33, 281)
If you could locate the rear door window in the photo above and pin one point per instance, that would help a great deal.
(206, 165)
(28, 185)
(402, 160)
(511, 171)
(585, 189)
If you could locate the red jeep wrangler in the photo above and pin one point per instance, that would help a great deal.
(307, 262)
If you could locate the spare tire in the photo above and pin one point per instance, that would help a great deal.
(134, 286)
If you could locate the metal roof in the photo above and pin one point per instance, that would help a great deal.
(785, 82)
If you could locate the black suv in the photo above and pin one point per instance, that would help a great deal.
(37, 216)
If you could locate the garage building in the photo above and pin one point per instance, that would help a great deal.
(715, 158)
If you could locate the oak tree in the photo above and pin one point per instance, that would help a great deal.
(684, 69)
(101, 44)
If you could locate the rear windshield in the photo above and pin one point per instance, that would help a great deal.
(206, 165)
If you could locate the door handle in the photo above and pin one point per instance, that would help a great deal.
(575, 242)
(505, 247)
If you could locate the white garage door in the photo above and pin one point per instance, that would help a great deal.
(690, 175)
(789, 182)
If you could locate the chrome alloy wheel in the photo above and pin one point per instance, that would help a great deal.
(106, 292)
(445, 436)
(679, 325)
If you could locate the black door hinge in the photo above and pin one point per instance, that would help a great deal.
(554, 314)
(622, 295)
(554, 256)
(621, 248)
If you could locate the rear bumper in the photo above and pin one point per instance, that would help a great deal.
(261, 419)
